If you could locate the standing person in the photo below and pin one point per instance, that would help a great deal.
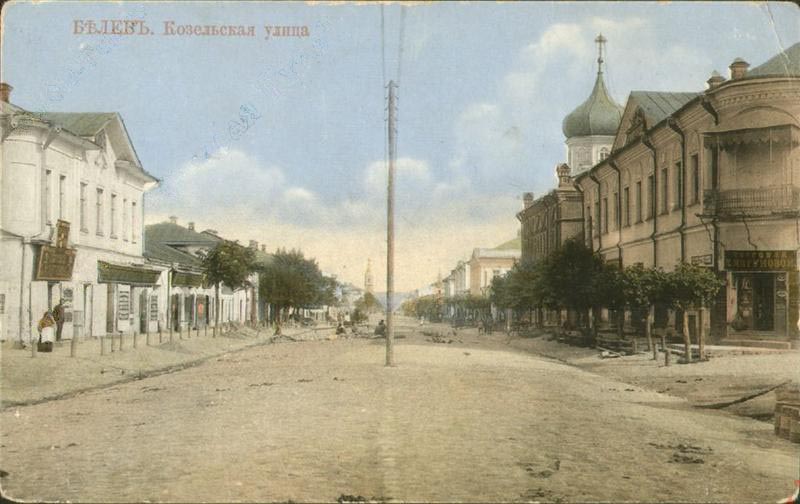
(58, 316)
(45, 328)
(380, 329)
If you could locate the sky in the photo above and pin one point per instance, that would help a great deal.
(283, 139)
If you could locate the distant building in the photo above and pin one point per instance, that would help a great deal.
(186, 301)
(711, 178)
(546, 223)
(369, 285)
(485, 264)
(71, 223)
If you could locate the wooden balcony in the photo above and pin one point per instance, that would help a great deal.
(783, 199)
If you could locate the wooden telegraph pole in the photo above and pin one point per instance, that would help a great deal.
(391, 127)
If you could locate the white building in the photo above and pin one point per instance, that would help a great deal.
(79, 170)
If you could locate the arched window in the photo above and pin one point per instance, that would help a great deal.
(603, 153)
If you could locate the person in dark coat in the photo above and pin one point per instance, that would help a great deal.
(58, 316)
(380, 329)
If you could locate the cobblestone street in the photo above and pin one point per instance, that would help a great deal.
(310, 421)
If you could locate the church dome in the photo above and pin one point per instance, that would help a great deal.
(598, 115)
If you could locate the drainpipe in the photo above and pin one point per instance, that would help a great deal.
(599, 224)
(583, 212)
(673, 124)
(614, 167)
(653, 207)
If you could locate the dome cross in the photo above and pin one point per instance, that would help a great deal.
(600, 40)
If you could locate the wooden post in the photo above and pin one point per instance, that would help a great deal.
(687, 340)
(121, 339)
(135, 339)
(391, 127)
(171, 337)
(102, 345)
(73, 344)
(648, 330)
(197, 331)
(664, 348)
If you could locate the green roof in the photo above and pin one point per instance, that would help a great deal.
(514, 244)
(598, 115)
(161, 240)
(174, 234)
(84, 124)
(784, 64)
(658, 105)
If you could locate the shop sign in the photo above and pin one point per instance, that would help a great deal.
(124, 305)
(761, 260)
(703, 260)
(56, 262)
(113, 273)
(154, 307)
(185, 279)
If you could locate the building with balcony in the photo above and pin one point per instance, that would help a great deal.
(711, 178)
(71, 223)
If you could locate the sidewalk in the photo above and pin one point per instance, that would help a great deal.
(26, 380)
(723, 382)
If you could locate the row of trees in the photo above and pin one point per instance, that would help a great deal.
(286, 279)
(576, 279)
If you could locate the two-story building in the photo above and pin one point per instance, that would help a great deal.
(71, 222)
(711, 178)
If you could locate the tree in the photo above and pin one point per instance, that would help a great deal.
(290, 280)
(569, 277)
(690, 286)
(228, 263)
(642, 288)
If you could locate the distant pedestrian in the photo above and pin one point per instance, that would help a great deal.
(58, 316)
(380, 329)
(46, 327)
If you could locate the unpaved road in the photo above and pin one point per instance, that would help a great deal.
(452, 422)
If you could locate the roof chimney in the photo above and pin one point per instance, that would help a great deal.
(190, 226)
(173, 219)
(527, 199)
(564, 174)
(715, 80)
(5, 92)
(739, 68)
(254, 244)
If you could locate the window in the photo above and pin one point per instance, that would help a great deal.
(62, 197)
(125, 219)
(603, 153)
(626, 206)
(639, 201)
(113, 216)
(48, 196)
(695, 179)
(84, 228)
(98, 218)
(651, 196)
(678, 185)
(605, 215)
(664, 190)
(134, 231)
